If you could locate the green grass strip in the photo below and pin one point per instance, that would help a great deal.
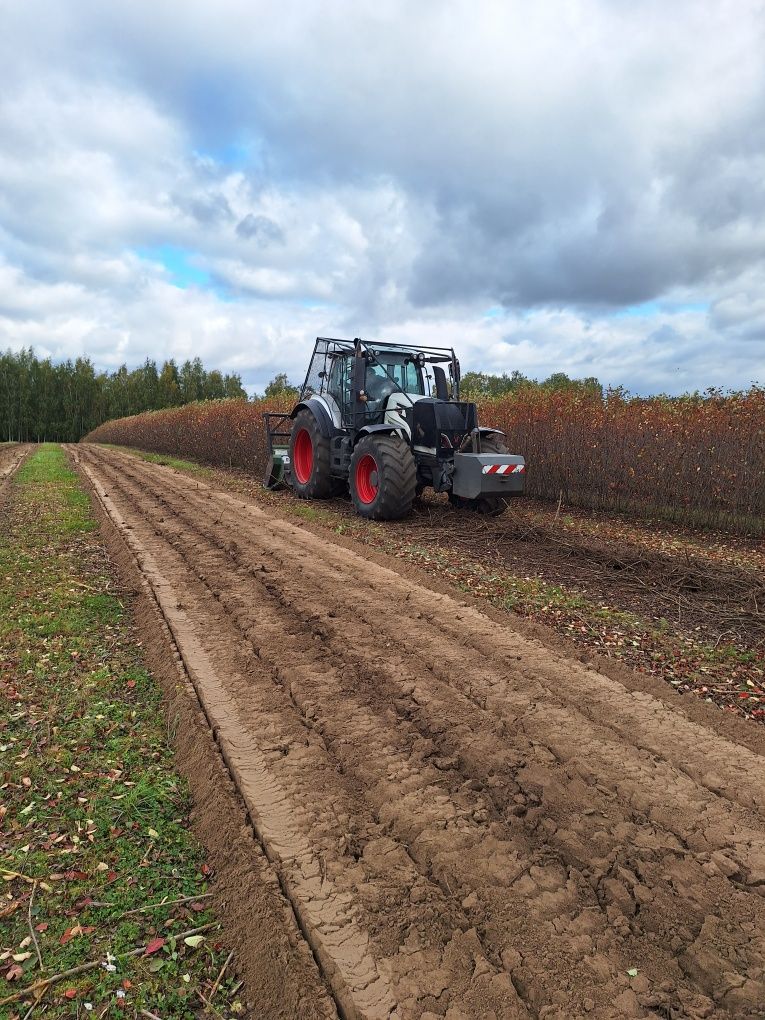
(93, 816)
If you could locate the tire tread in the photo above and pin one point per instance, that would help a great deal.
(321, 484)
(398, 473)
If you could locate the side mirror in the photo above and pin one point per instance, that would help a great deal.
(442, 391)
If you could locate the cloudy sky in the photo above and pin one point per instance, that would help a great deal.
(552, 186)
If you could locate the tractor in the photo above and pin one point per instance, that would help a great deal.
(384, 421)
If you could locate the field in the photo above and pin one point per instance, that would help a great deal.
(698, 460)
(503, 768)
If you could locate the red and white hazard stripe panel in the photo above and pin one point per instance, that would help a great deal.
(504, 469)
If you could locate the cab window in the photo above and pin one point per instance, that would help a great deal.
(339, 383)
(406, 375)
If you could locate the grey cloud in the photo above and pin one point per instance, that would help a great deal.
(261, 229)
(516, 136)
(208, 209)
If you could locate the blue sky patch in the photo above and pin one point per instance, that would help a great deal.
(180, 264)
(647, 308)
(234, 156)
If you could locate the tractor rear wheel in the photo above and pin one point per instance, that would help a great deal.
(490, 505)
(382, 477)
(310, 459)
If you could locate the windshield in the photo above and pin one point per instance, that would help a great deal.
(404, 374)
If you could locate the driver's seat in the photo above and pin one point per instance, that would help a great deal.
(378, 389)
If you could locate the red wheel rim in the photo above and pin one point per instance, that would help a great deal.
(366, 479)
(302, 456)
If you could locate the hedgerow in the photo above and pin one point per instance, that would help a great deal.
(698, 459)
(225, 433)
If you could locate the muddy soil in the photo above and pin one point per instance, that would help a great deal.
(11, 457)
(682, 605)
(466, 822)
(714, 589)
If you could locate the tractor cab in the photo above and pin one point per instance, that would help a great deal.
(359, 382)
(392, 380)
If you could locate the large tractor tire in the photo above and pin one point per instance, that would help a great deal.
(382, 478)
(310, 459)
(491, 505)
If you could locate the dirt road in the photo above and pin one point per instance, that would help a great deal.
(466, 823)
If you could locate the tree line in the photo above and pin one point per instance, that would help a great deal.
(479, 385)
(483, 385)
(42, 401)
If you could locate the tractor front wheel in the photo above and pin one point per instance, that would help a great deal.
(310, 459)
(382, 478)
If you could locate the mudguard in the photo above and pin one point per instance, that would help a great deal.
(385, 429)
(320, 413)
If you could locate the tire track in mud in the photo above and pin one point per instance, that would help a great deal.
(381, 878)
(11, 459)
(498, 847)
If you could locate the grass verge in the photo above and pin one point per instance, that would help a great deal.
(93, 817)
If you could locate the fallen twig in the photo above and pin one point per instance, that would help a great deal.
(721, 636)
(165, 903)
(31, 926)
(219, 978)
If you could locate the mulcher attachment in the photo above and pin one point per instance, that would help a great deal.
(278, 431)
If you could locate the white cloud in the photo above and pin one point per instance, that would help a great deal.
(390, 170)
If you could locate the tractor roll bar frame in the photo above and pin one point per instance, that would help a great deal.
(433, 355)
